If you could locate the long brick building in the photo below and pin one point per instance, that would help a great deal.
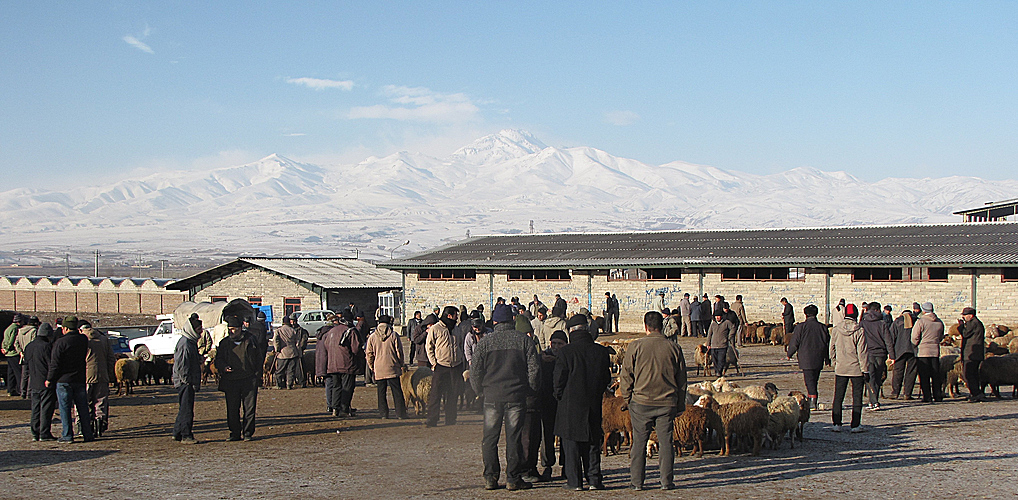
(951, 265)
(88, 295)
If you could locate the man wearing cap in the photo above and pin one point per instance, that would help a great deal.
(927, 333)
(8, 349)
(740, 314)
(445, 353)
(547, 402)
(26, 334)
(239, 361)
(973, 338)
(337, 360)
(99, 363)
(880, 346)
(658, 303)
(504, 371)
(44, 397)
(787, 315)
(706, 313)
(671, 325)
(420, 339)
(653, 381)
(718, 339)
(384, 354)
(186, 376)
(582, 373)
(686, 327)
(67, 374)
(287, 344)
(608, 311)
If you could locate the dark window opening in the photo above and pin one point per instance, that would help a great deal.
(637, 274)
(291, 305)
(446, 274)
(255, 301)
(899, 274)
(1009, 274)
(538, 275)
(218, 299)
(764, 273)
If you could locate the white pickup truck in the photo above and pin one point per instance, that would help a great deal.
(160, 344)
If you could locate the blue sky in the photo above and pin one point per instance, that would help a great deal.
(101, 90)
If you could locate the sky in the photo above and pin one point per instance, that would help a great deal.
(104, 90)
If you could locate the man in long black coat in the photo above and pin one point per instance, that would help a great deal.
(811, 342)
(787, 315)
(582, 373)
(973, 338)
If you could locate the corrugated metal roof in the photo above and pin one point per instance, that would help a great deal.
(324, 273)
(332, 273)
(973, 244)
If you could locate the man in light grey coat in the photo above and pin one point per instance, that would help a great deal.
(927, 333)
(686, 328)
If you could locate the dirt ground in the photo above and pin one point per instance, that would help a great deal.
(947, 450)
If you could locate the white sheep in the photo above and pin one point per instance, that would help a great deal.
(783, 418)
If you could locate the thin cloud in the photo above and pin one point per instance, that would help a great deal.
(419, 104)
(621, 118)
(295, 134)
(138, 44)
(321, 83)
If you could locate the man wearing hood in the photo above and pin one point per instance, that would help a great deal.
(44, 397)
(8, 349)
(582, 373)
(653, 382)
(67, 373)
(879, 345)
(445, 353)
(810, 342)
(927, 333)
(239, 359)
(553, 323)
(384, 354)
(504, 371)
(99, 363)
(186, 376)
(420, 339)
(903, 372)
(338, 361)
(848, 355)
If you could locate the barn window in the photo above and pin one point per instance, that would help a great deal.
(637, 274)
(899, 274)
(447, 275)
(291, 305)
(255, 301)
(538, 275)
(219, 298)
(763, 274)
(1009, 274)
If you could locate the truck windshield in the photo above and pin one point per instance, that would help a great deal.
(165, 327)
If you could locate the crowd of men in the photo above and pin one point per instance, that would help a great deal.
(538, 373)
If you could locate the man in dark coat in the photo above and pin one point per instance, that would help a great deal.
(582, 374)
(420, 338)
(409, 329)
(694, 317)
(903, 372)
(653, 382)
(44, 398)
(186, 376)
(547, 402)
(879, 345)
(338, 361)
(811, 341)
(67, 373)
(973, 339)
(504, 370)
(239, 359)
(706, 313)
(787, 315)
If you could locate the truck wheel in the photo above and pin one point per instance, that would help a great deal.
(143, 353)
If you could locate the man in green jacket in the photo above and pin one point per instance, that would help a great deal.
(13, 356)
(653, 382)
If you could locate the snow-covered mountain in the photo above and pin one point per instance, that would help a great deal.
(497, 184)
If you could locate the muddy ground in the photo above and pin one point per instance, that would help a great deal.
(912, 450)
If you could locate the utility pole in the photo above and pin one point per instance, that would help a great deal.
(162, 268)
(96, 264)
(67, 264)
(531, 226)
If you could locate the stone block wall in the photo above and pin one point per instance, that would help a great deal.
(255, 282)
(948, 297)
(997, 300)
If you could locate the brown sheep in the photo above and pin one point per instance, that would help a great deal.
(952, 373)
(126, 372)
(1012, 346)
(692, 427)
(615, 418)
(803, 411)
(268, 368)
(743, 419)
(409, 381)
(702, 360)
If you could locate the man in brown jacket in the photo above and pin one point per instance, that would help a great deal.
(384, 354)
(445, 353)
(289, 345)
(99, 364)
(653, 382)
